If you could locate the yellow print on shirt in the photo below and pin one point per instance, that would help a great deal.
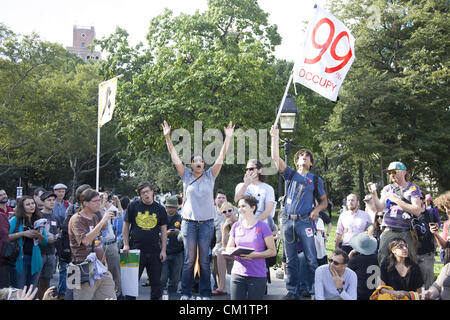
(146, 221)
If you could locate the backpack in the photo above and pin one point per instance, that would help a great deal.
(63, 242)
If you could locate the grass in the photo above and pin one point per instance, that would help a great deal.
(331, 240)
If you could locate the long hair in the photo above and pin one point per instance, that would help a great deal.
(392, 261)
(377, 229)
(443, 201)
(21, 214)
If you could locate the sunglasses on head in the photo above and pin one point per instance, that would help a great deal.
(249, 169)
(227, 211)
(334, 262)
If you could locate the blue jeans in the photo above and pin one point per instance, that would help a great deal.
(26, 278)
(294, 230)
(62, 285)
(306, 276)
(196, 235)
(171, 270)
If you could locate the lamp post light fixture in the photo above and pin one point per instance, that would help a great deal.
(289, 116)
(288, 124)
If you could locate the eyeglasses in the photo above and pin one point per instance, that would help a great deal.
(401, 246)
(249, 169)
(96, 200)
(229, 211)
(334, 262)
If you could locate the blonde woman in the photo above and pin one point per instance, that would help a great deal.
(227, 211)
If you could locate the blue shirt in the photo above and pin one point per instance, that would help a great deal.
(59, 211)
(300, 195)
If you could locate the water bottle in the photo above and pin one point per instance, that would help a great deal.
(165, 295)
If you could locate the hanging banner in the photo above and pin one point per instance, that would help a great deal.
(106, 100)
(328, 53)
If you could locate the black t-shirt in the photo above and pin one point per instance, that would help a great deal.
(174, 246)
(367, 272)
(325, 218)
(146, 221)
(28, 243)
(51, 227)
(426, 244)
(411, 282)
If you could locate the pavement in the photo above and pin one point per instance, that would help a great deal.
(275, 291)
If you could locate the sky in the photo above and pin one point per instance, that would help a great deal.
(53, 20)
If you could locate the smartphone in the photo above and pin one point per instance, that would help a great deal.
(373, 187)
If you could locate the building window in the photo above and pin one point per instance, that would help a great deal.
(83, 44)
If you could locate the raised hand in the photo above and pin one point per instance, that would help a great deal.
(229, 130)
(166, 128)
(274, 132)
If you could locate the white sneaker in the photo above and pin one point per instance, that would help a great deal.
(206, 298)
(184, 297)
(199, 298)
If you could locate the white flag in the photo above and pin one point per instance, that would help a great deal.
(328, 53)
(106, 100)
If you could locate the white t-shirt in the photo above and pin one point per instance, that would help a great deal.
(319, 241)
(351, 225)
(263, 193)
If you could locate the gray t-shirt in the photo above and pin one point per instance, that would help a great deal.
(199, 196)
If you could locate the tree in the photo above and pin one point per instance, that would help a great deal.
(393, 101)
(48, 102)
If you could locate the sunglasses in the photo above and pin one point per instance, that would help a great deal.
(378, 217)
(394, 172)
(401, 246)
(249, 169)
(334, 262)
(227, 211)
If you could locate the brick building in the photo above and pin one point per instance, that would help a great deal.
(82, 39)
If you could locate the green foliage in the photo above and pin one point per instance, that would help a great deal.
(394, 102)
(48, 102)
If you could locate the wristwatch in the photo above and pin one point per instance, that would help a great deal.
(340, 290)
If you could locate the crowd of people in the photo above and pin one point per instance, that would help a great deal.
(193, 240)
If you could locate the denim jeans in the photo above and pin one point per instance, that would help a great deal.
(26, 278)
(247, 288)
(171, 270)
(306, 276)
(196, 236)
(294, 230)
(62, 284)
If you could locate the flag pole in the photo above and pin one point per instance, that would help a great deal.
(280, 108)
(97, 173)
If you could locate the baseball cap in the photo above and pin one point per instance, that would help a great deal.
(396, 165)
(172, 201)
(46, 195)
(59, 186)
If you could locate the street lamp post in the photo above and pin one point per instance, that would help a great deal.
(288, 124)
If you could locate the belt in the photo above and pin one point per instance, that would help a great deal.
(197, 221)
(396, 229)
(109, 242)
(295, 216)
